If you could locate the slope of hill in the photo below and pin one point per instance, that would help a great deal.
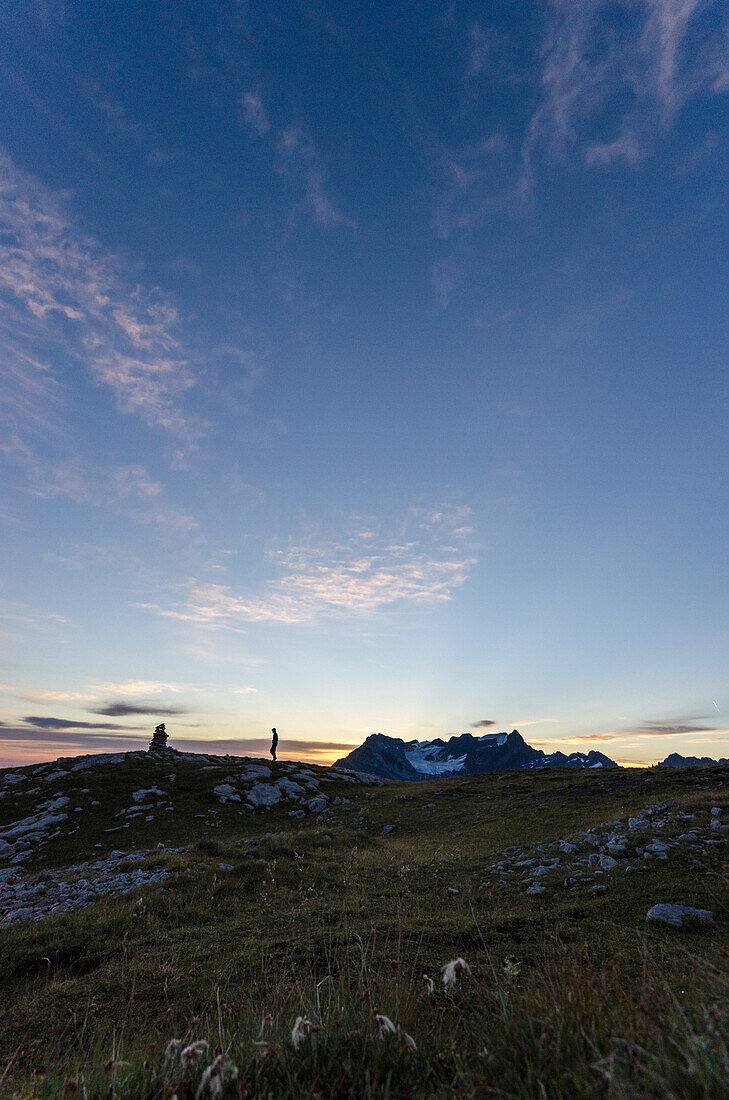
(393, 758)
(215, 901)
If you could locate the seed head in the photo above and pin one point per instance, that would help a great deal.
(193, 1052)
(384, 1026)
(173, 1049)
(301, 1029)
(408, 1040)
(452, 970)
(214, 1078)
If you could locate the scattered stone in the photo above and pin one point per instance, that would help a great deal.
(290, 789)
(26, 897)
(537, 872)
(23, 837)
(257, 771)
(226, 792)
(666, 913)
(141, 794)
(387, 830)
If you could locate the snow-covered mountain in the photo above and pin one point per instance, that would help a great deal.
(393, 758)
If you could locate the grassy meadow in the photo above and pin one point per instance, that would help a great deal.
(266, 917)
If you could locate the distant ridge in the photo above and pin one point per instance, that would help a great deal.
(675, 760)
(464, 754)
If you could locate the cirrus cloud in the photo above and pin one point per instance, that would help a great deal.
(424, 562)
(60, 289)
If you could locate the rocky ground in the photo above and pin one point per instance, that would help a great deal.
(31, 897)
(56, 796)
(603, 855)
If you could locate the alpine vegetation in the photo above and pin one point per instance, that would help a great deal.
(283, 924)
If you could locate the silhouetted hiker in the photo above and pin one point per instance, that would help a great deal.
(274, 742)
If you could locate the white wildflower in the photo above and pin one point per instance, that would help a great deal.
(429, 983)
(173, 1049)
(214, 1078)
(451, 971)
(193, 1052)
(408, 1040)
(384, 1026)
(301, 1029)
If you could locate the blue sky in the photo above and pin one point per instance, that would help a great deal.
(364, 368)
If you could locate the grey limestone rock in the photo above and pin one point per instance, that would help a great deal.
(264, 794)
(666, 913)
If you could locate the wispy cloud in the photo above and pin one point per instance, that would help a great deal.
(357, 576)
(299, 158)
(45, 723)
(130, 490)
(123, 710)
(302, 160)
(19, 620)
(471, 181)
(60, 290)
(98, 691)
(483, 723)
(631, 58)
(608, 79)
(254, 113)
(669, 727)
(582, 739)
(141, 687)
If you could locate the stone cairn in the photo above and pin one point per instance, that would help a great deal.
(159, 741)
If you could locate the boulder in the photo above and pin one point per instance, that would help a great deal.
(317, 805)
(264, 794)
(665, 913)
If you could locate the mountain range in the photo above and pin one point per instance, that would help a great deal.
(464, 754)
(675, 760)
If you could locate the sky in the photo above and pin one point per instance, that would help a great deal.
(364, 368)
